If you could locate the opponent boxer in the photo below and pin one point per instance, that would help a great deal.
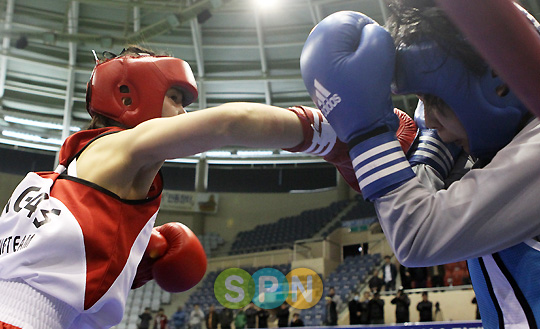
(74, 241)
(490, 215)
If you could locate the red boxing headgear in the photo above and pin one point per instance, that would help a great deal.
(130, 90)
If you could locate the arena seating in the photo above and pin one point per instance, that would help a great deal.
(204, 293)
(286, 230)
(346, 278)
(456, 274)
(210, 242)
(149, 295)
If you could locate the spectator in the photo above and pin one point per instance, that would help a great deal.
(419, 277)
(160, 321)
(330, 312)
(226, 318)
(179, 318)
(355, 309)
(251, 316)
(437, 273)
(262, 316)
(438, 313)
(477, 313)
(335, 298)
(402, 303)
(212, 318)
(376, 309)
(364, 306)
(297, 321)
(283, 315)
(425, 308)
(389, 274)
(196, 317)
(375, 283)
(405, 276)
(240, 319)
(145, 318)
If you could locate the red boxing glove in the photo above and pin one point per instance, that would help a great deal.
(157, 246)
(184, 263)
(319, 136)
(320, 139)
(407, 130)
(174, 257)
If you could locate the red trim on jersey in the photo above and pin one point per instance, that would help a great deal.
(109, 231)
(7, 326)
(76, 142)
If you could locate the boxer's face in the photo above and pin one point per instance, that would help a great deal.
(443, 119)
(172, 103)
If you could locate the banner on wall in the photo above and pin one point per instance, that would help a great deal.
(189, 201)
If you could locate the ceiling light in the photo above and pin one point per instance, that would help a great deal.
(29, 145)
(218, 153)
(34, 123)
(256, 153)
(266, 4)
(32, 138)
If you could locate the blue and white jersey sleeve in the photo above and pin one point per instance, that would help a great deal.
(488, 210)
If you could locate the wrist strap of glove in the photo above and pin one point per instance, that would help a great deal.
(319, 136)
(380, 165)
(432, 151)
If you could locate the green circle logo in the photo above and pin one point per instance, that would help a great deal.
(234, 288)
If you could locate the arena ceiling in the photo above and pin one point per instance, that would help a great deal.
(239, 50)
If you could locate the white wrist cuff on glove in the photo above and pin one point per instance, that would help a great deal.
(324, 136)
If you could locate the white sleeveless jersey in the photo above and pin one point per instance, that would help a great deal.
(72, 246)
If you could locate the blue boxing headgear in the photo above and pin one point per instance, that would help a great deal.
(490, 120)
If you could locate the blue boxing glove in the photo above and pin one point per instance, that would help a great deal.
(429, 149)
(347, 65)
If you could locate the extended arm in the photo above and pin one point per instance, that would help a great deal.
(126, 162)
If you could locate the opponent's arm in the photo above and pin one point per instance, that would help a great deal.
(431, 159)
(487, 210)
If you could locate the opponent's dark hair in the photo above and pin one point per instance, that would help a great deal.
(414, 21)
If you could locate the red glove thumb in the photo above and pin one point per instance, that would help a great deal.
(157, 245)
(407, 130)
(184, 263)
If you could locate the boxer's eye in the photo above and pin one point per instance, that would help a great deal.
(502, 90)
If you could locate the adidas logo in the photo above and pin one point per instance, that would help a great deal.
(325, 101)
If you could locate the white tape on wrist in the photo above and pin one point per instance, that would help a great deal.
(324, 136)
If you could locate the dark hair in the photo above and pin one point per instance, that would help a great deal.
(101, 121)
(413, 21)
(130, 50)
